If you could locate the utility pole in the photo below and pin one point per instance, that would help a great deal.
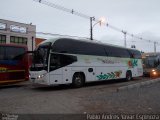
(91, 27)
(32, 43)
(155, 47)
(102, 20)
(125, 42)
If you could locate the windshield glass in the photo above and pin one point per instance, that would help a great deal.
(158, 67)
(11, 55)
(40, 57)
(151, 62)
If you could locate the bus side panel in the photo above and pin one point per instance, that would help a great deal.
(108, 72)
(3, 76)
(56, 76)
(90, 73)
(67, 75)
(139, 68)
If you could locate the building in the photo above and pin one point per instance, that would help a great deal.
(18, 33)
(38, 41)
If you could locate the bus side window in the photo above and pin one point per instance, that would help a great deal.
(2, 52)
(60, 60)
(1, 57)
(67, 59)
(54, 62)
(132, 55)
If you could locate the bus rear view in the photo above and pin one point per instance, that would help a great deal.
(14, 63)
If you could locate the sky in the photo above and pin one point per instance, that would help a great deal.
(138, 17)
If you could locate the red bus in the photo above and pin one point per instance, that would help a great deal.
(14, 63)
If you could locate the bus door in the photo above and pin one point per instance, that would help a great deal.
(59, 65)
(55, 69)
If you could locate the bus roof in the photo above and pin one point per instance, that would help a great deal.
(85, 40)
(150, 54)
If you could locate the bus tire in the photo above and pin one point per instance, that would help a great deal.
(78, 80)
(128, 75)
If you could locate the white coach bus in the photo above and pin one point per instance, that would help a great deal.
(73, 61)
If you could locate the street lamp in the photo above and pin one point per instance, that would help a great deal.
(101, 21)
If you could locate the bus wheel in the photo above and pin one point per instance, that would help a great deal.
(128, 76)
(78, 80)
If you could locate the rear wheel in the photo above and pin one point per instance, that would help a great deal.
(128, 76)
(78, 80)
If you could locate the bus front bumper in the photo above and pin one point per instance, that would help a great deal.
(39, 77)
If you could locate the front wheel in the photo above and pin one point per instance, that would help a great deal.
(78, 80)
(128, 76)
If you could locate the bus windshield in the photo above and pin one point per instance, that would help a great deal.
(151, 61)
(11, 55)
(40, 57)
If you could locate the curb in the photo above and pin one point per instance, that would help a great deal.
(138, 85)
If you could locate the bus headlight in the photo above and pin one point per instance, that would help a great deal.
(154, 73)
(40, 76)
(29, 75)
(153, 70)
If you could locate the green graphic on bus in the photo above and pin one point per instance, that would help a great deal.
(111, 75)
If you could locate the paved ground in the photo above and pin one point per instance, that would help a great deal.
(93, 98)
(144, 100)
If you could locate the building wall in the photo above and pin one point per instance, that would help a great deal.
(18, 33)
(38, 41)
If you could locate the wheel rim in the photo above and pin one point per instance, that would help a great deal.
(78, 80)
(128, 76)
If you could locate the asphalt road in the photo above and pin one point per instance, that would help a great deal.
(101, 97)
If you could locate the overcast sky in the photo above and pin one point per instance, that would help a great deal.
(138, 17)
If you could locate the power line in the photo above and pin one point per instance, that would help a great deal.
(72, 11)
(59, 7)
(51, 34)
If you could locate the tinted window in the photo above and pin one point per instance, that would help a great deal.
(124, 53)
(116, 52)
(88, 48)
(135, 54)
(60, 60)
(11, 53)
(2, 53)
(78, 47)
(40, 57)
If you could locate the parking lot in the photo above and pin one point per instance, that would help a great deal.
(97, 97)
